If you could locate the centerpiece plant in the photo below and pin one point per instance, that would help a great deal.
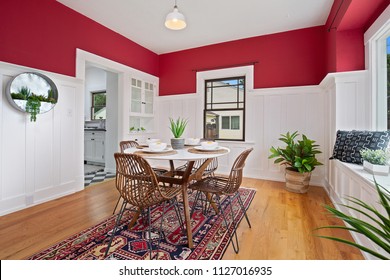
(300, 158)
(177, 128)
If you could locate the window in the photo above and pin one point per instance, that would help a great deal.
(230, 122)
(224, 113)
(377, 42)
(235, 122)
(388, 80)
(98, 105)
(225, 122)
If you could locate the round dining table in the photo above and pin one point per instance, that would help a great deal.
(190, 155)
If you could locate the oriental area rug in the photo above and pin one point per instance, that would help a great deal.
(210, 236)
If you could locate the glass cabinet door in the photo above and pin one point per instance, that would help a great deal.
(136, 96)
(149, 94)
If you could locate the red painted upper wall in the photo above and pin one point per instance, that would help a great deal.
(284, 59)
(295, 58)
(361, 14)
(44, 34)
(346, 24)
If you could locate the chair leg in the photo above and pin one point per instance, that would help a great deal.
(234, 227)
(116, 205)
(195, 203)
(118, 219)
(150, 234)
(243, 209)
(227, 225)
(161, 230)
(177, 211)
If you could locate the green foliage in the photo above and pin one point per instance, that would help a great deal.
(298, 155)
(33, 106)
(375, 156)
(376, 226)
(177, 127)
(99, 99)
(33, 103)
(26, 92)
(18, 96)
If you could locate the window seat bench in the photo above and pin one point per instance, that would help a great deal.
(351, 180)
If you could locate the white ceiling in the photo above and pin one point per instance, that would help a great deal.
(208, 21)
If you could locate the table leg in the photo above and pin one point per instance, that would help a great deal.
(134, 219)
(187, 218)
(186, 205)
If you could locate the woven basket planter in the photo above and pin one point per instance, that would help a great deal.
(297, 182)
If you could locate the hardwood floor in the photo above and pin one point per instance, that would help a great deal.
(282, 224)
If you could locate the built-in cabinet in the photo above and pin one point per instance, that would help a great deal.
(94, 146)
(141, 109)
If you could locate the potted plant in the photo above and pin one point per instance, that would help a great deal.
(177, 127)
(375, 161)
(299, 157)
(375, 224)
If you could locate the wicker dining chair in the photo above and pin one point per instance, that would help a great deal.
(123, 145)
(126, 144)
(228, 186)
(138, 186)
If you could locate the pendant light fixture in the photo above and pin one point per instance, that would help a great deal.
(175, 20)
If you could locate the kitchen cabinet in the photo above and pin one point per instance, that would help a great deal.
(94, 146)
(141, 115)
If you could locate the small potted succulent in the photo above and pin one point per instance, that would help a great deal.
(375, 161)
(177, 128)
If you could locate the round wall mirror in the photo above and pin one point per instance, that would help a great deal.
(33, 93)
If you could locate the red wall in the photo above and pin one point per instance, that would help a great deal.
(284, 59)
(44, 34)
(346, 24)
(350, 50)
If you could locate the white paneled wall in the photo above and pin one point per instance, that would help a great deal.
(348, 103)
(269, 112)
(41, 160)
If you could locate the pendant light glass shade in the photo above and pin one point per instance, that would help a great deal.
(175, 20)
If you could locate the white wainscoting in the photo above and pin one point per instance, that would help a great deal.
(349, 106)
(269, 112)
(40, 160)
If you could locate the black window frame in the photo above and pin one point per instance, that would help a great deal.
(237, 108)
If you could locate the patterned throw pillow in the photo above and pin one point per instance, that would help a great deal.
(349, 143)
(341, 138)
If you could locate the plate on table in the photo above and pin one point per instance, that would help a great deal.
(200, 148)
(148, 150)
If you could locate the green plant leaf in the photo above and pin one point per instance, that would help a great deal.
(300, 155)
(365, 249)
(378, 230)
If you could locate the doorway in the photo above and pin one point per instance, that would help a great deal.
(100, 123)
